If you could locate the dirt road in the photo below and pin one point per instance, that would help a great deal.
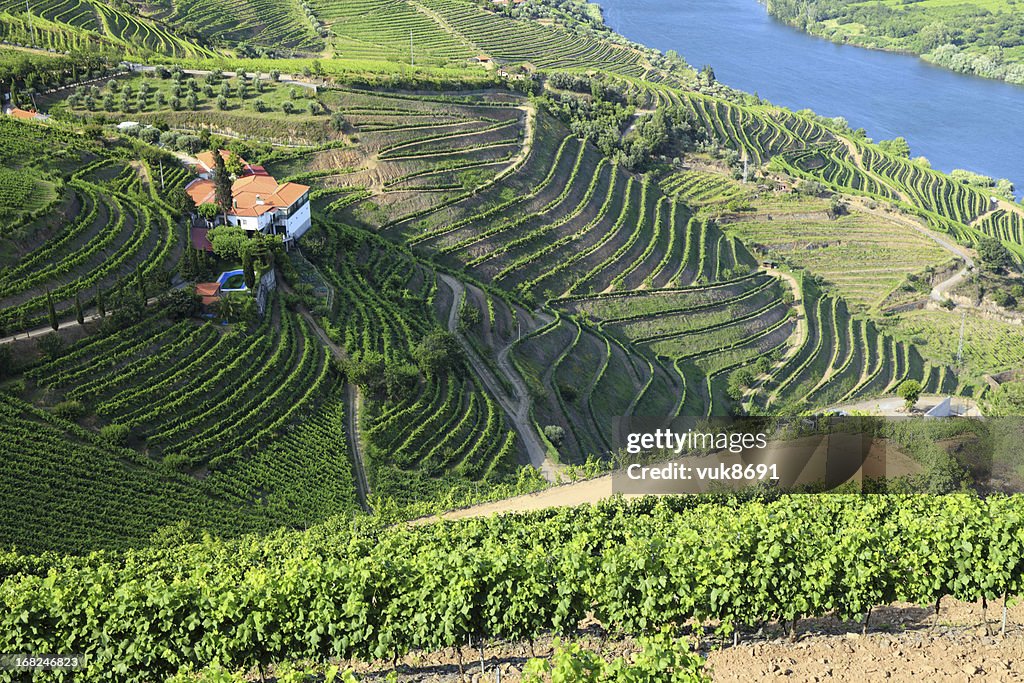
(940, 290)
(517, 406)
(352, 398)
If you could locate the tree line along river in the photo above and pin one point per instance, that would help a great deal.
(955, 120)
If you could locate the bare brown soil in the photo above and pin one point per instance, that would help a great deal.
(904, 644)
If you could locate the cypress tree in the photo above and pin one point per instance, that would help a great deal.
(222, 182)
(248, 270)
(51, 311)
(79, 314)
(101, 303)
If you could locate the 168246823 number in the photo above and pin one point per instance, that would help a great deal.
(26, 662)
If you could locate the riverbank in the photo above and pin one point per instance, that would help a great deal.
(955, 120)
(937, 35)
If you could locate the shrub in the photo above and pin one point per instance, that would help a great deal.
(51, 345)
(178, 304)
(7, 366)
(469, 316)
(554, 434)
(115, 434)
(69, 410)
(910, 390)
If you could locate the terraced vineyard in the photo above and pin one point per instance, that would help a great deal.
(842, 357)
(705, 190)
(990, 345)
(865, 257)
(171, 400)
(192, 395)
(443, 431)
(944, 203)
(396, 31)
(77, 23)
(22, 192)
(759, 133)
(567, 227)
(415, 154)
(280, 24)
(104, 230)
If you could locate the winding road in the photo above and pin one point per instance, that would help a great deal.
(517, 406)
(939, 292)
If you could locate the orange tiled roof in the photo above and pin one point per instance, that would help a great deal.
(206, 160)
(22, 114)
(208, 288)
(252, 195)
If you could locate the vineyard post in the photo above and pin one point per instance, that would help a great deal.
(482, 669)
(984, 615)
(1002, 630)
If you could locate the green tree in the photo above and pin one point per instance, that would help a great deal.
(228, 241)
(554, 434)
(221, 182)
(208, 211)
(897, 146)
(438, 353)
(79, 314)
(739, 380)
(234, 164)
(910, 390)
(181, 201)
(338, 122)
(994, 255)
(248, 270)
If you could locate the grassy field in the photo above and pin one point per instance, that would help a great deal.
(989, 345)
(863, 256)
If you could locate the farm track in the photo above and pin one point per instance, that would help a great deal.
(352, 400)
(63, 324)
(517, 406)
(940, 290)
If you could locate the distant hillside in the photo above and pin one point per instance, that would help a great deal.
(980, 37)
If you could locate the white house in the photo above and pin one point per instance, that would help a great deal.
(258, 201)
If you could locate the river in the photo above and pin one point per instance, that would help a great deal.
(954, 120)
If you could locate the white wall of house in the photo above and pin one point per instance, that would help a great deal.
(250, 222)
(299, 222)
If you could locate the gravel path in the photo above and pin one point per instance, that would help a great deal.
(516, 406)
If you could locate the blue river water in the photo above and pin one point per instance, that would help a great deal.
(954, 120)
